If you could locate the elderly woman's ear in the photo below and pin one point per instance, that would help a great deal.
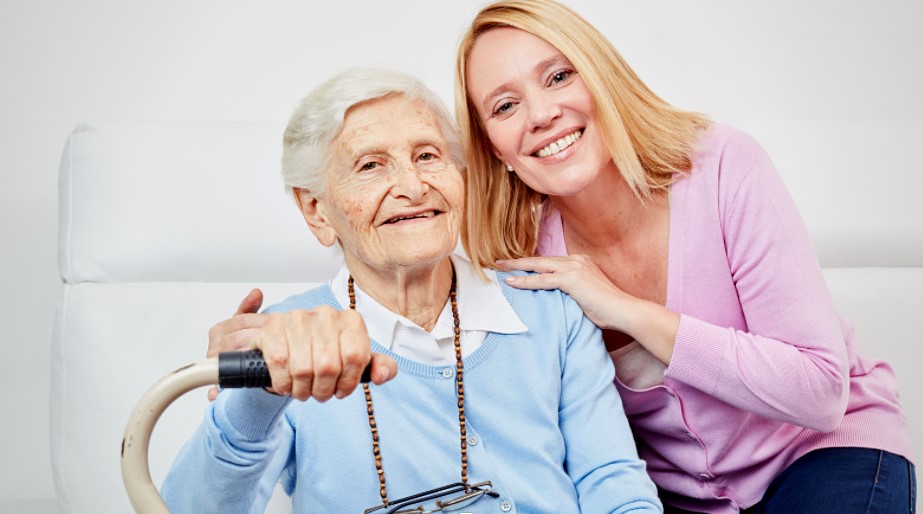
(312, 209)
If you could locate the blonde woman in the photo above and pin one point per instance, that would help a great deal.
(744, 388)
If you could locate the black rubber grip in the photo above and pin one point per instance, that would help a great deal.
(243, 369)
(248, 369)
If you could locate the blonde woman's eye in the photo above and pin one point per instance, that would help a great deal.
(503, 108)
(561, 77)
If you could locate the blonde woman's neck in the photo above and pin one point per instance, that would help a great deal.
(607, 213)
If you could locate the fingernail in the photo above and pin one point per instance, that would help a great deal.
(340, 395)
(384, 374)
(512, 280)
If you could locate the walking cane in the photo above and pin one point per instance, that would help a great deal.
(229, 369)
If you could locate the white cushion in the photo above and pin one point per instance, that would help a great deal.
(176, 201)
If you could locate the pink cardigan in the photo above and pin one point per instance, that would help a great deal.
(764, 369)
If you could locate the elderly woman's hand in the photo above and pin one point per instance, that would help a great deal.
(319, 353)
(237, 332)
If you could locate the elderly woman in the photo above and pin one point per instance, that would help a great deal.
(513, 419)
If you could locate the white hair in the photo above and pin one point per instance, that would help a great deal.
(318, 119)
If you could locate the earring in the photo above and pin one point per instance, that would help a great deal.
(509, 168)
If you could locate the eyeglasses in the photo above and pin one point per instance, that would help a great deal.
(414, 504)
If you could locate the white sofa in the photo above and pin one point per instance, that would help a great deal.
(165, 226)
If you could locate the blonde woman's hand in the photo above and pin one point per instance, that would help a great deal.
(651, 324)
(579, 277)
(319, 353)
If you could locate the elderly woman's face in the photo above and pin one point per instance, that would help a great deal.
(394, 199)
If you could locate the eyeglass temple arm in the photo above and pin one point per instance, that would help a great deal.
(228, 370)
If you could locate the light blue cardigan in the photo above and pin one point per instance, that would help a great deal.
(545, 425)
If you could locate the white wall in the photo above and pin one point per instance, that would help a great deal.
(63, 62)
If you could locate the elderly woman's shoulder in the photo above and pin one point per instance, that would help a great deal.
(514, 295)
(321, 295)
(546, 308)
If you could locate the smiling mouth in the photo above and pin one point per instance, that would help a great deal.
(559, 145)
(421, 215)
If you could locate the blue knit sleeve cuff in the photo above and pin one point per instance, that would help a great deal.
(252, 413)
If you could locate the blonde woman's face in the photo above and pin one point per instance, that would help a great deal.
(537, 111)
(394, 199)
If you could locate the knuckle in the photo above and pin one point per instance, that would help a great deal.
(303, 373)
(282, 385)
(322, 396)
(355, 357)
(351, 316)
(327, 368)
(276, 361)
(355, 323)
(324, 312)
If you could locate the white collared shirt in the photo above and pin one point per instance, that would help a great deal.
(482, 308)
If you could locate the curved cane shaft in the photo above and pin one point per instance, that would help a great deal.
(135, 472)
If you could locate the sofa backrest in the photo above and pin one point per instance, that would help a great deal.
(165, 226)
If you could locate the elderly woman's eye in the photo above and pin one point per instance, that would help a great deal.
(369, 166)
(426, 157)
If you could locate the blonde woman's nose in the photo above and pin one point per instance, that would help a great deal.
(542, 111)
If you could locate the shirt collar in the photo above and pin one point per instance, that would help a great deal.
(481, 306)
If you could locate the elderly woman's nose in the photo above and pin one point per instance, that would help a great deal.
(408, 182)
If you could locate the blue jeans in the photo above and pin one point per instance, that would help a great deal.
(840, 481)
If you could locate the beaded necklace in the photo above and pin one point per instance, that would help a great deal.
(460, 384)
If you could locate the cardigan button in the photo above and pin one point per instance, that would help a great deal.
(506, 506)
(447, 373)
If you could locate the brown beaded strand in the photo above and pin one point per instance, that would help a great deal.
(460, 383)
(373, 426)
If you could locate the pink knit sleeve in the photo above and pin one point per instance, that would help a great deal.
(790, 363)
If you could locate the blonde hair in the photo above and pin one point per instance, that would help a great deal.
(648, 138)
